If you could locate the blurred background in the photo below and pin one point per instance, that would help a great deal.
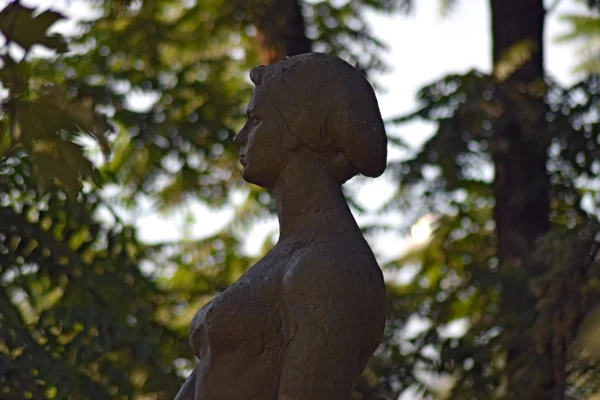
(122, 209)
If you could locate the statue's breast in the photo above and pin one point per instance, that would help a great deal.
(244, 315)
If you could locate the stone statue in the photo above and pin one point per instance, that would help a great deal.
(302, 323)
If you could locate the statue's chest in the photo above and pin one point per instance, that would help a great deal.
(245, 315)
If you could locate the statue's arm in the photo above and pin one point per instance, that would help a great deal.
(188, 388)
(322, 331)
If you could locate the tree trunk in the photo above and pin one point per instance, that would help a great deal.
(522, 192)
(281, 31)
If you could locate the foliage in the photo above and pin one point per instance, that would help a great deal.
(89, 311)
(585, 29)
(79, 319)
(43, 118)
(460, 280)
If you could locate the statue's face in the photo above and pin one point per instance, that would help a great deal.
(261, 142)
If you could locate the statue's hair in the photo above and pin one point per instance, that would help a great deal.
(331, 108)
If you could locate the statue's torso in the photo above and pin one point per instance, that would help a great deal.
(239, 336)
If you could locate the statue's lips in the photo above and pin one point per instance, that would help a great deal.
(243, 159)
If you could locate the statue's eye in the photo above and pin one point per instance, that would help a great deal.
(252, 116)
(254, 120)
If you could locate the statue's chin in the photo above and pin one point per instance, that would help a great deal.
(254, 179)
(247, 175)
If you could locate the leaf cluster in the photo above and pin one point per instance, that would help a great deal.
(459, 281)
(44, 119)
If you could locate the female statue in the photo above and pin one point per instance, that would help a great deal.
(302, 323)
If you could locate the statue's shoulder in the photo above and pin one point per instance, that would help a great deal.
(329, 286)
(331, 268)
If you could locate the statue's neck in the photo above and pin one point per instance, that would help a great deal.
(310, 202)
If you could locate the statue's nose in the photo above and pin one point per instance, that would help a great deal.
(240, 138)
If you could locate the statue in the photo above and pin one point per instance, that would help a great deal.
(302, 323)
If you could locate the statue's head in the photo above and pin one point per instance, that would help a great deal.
(315, 101)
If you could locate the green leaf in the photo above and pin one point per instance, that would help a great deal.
(44, 161)
(5, 139)
(82, 111)
(59, 159)
(40, 120)
(585, 32)
(79, 114)
(54, 112)
(48, 18)
(19, 25)
(446, 7)
(14, 75)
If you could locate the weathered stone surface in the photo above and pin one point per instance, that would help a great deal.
(301, 323)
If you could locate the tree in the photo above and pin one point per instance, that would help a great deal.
(513, 256)
(521, 187)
